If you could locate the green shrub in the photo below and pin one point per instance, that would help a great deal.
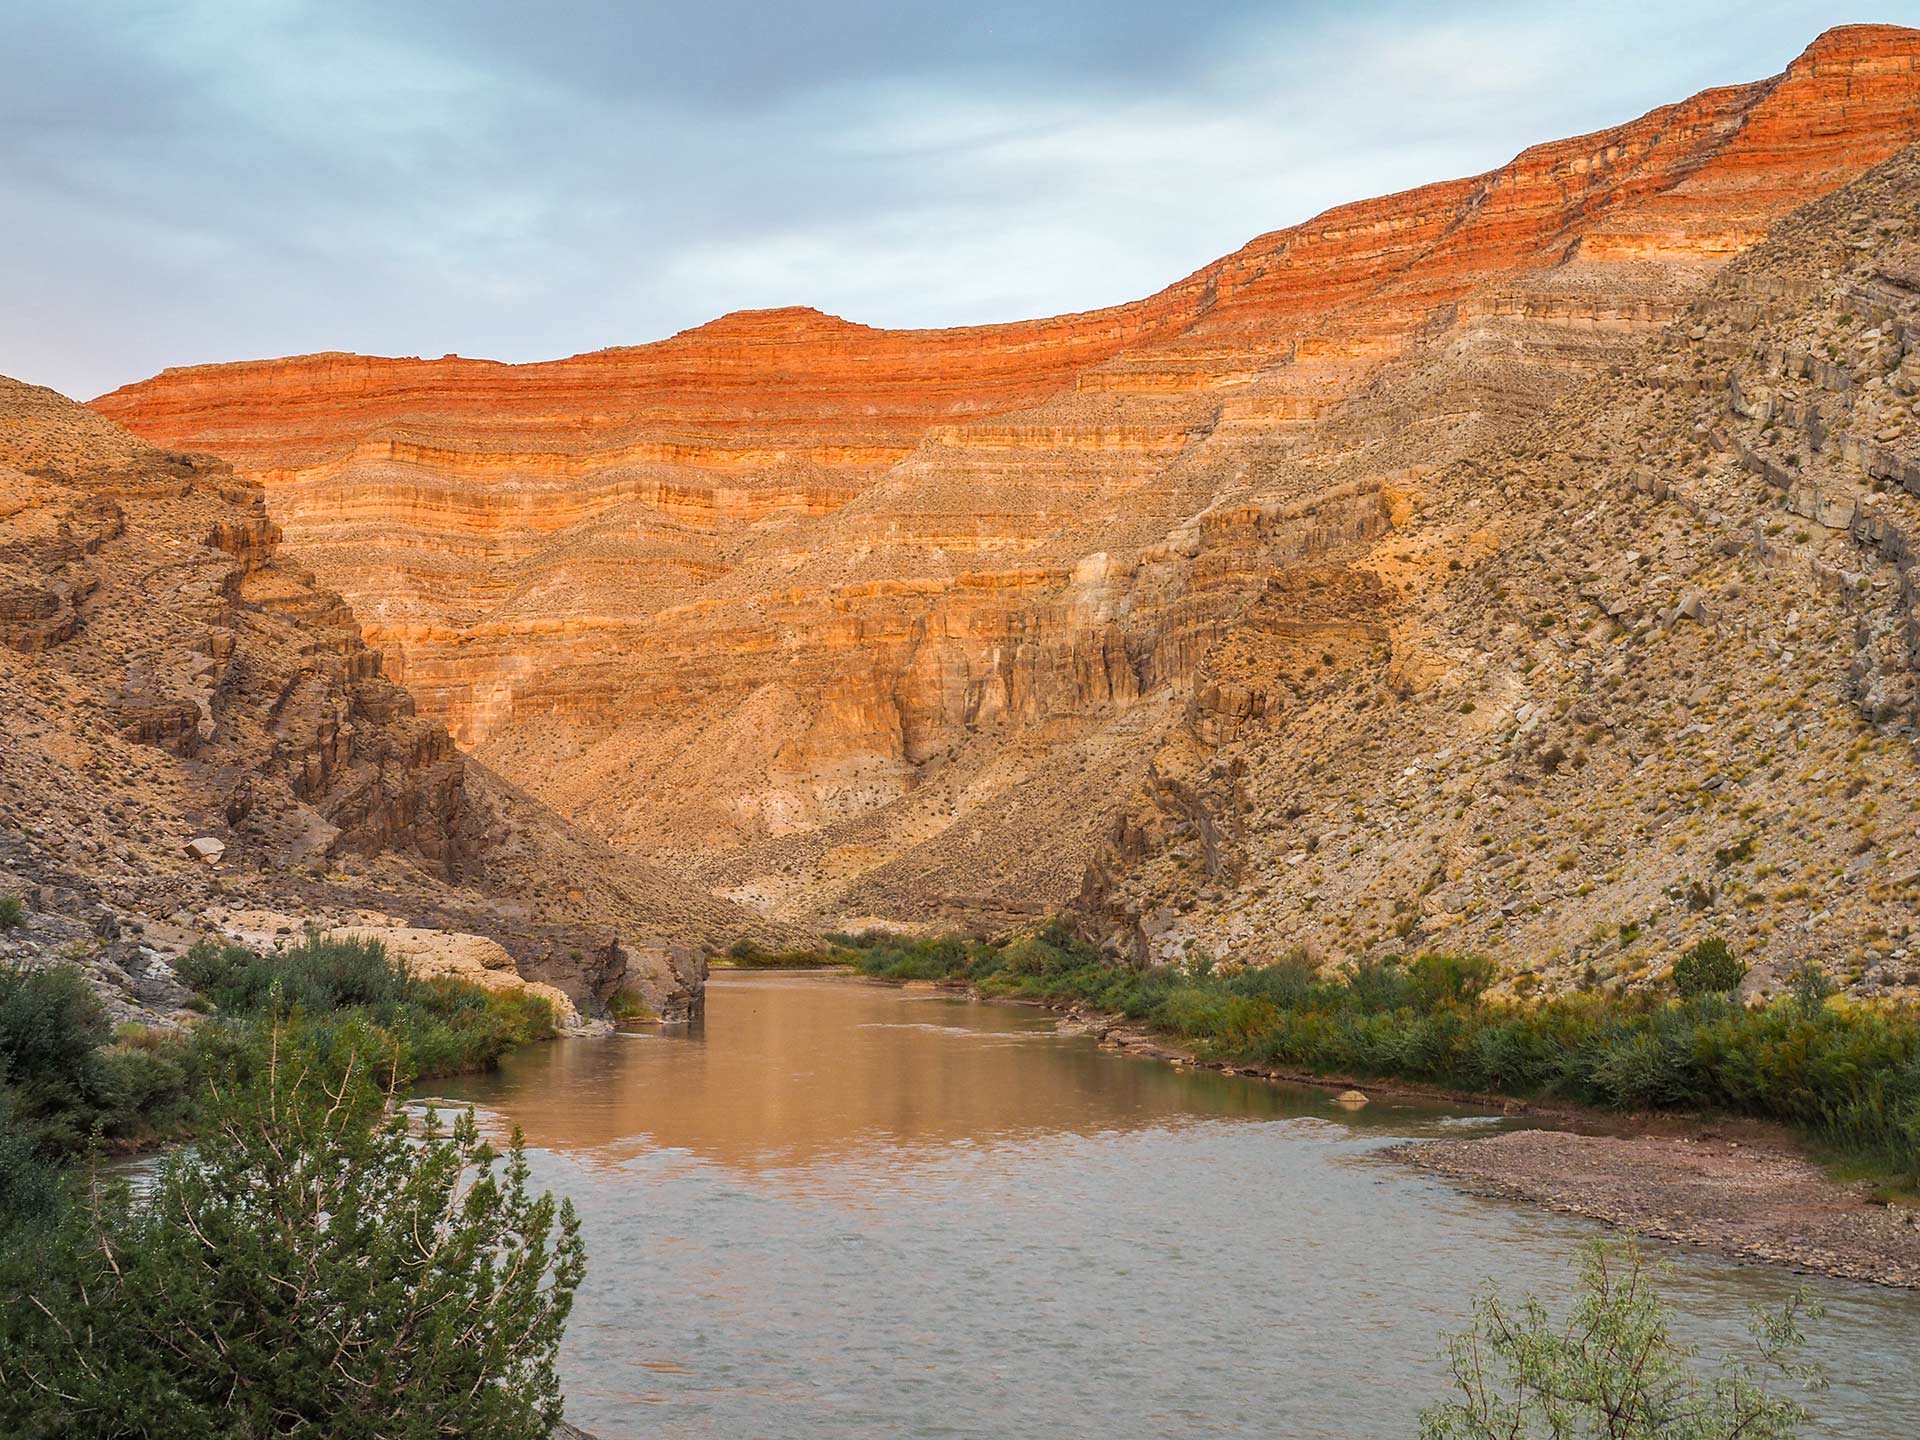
(1377, 983)
(1287, 982)
(1613, 1368)
(13, 912)
(1850, 1077)
(1810, 988)
(1247, 1020)
(50, 1022)
(315, 1264)
(30, 1190)
(446, 1025)
(745, 955)
(1027, 956)
(630, 1005)
(1460, 979)
(1639, 1069)
(320, 974)
(1906, 1142)
(1709, 968)
(62, 1083)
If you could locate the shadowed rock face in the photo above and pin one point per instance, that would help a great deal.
(905, 623)
(187, 714)
(156, 590)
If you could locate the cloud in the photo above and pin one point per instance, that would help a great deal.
(194, 180)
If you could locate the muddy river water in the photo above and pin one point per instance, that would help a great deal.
(841, 1209)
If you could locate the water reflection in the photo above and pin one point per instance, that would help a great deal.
(795, 1070)
(846, 1210)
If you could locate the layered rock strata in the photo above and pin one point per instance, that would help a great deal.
(1647, 673)
(919, 624)
(186, 713)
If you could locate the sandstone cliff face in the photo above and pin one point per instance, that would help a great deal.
(855, 622)
(168, 676)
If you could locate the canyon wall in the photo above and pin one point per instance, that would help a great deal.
(191, 721)
(1642, 667)
(918, 624)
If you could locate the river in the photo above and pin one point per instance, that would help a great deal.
(842, 1209)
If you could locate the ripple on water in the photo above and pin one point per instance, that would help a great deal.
(825, 1217)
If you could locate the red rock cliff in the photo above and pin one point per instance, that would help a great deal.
(839, 612)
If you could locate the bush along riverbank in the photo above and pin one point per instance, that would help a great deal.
(68, 1079)
(321, 1258)
(750, 955)
(1847, 1077)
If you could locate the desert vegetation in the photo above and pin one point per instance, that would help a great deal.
(443, 1026)
(1847, 1076)
(749, 954)
(69, 1077)
(65, 1077)
(318, 1261)
(1708, 968)
(317, 1254)
(1612, 1367)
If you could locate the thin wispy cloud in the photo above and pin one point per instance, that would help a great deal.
(195, 180)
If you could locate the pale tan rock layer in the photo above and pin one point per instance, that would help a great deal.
(427, 954)
(890, 622)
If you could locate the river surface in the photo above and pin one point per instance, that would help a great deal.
(843, 1209)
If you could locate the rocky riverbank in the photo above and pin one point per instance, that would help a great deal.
(1752, 1201)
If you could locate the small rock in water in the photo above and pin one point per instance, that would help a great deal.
(1352, 1099)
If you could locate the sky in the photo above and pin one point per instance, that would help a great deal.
(184, 181)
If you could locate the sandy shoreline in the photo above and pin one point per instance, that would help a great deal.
(1753, 1198)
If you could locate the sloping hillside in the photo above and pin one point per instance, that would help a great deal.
(191, 722)
(1636, 668)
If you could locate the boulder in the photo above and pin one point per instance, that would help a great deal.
(671, 979)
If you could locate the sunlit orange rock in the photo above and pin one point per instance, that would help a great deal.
(842, 615)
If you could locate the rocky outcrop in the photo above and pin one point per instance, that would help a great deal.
(188, 715)
(848, 621)
(670, 979)
(195, 636)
